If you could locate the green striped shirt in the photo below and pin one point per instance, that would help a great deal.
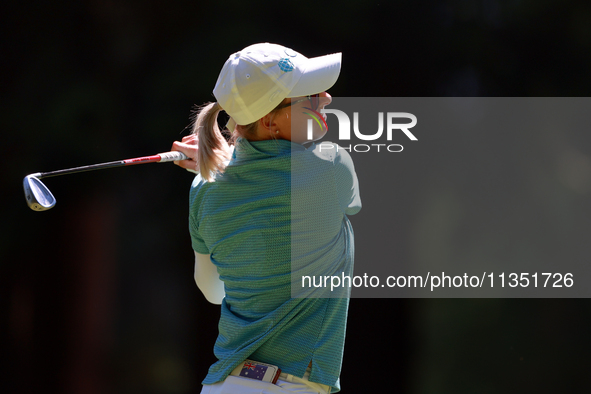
(279, 211)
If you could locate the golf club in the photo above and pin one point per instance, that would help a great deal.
(39, 198)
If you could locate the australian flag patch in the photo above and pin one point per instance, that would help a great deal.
(257, 370)
(253, 371)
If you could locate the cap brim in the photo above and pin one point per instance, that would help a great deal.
(321, 73)
(231, 125)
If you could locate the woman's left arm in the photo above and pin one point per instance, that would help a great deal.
(189, 145)
(207, 279)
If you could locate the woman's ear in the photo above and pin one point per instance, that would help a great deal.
(268, 124)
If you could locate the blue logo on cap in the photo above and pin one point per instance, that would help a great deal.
(286, 65)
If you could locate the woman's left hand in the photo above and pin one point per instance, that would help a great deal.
(189, 146)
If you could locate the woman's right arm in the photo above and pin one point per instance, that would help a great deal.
(347, 183)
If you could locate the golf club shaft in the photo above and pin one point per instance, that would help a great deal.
(159, 158)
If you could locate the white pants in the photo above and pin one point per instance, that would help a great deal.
(286, 384)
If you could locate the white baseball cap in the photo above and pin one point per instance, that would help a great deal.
(257, 79)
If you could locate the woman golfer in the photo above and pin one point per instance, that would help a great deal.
(268, 221)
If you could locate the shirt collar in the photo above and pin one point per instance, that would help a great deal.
(250, 150)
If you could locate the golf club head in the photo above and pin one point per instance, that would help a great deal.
(38, 196)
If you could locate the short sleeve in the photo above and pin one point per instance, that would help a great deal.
(195, 199)
(196, 239)
(346, 183)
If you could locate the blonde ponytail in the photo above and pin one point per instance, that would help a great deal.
(212, 144)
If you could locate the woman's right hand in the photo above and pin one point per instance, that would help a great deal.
(189, 145)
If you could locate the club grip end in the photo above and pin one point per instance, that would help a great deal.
(172, 156)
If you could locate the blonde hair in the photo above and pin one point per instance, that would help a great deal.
(212, 141)
(212, 152)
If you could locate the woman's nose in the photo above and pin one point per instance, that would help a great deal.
(325, 98)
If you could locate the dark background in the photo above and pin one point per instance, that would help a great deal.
(97, 294)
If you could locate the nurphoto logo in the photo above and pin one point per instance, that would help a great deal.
(393, 126)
